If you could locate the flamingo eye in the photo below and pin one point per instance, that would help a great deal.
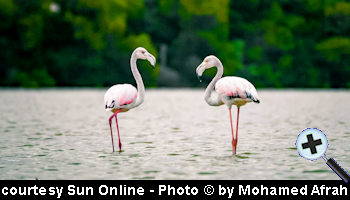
(206, 60)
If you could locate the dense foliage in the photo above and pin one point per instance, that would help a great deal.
(275, 43)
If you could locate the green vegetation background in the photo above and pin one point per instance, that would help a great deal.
(272, 43)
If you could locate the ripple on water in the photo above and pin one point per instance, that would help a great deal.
(27, 145)
(32, 138)
(241, 157)
(316, 171)
(179, 173)
(11, 122)
(206, 173)
(151, 172)
(75, 163)
(143, 142)
(51, 169)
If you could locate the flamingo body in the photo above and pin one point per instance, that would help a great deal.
(120, 96)
(234, 90)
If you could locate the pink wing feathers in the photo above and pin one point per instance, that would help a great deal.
(122, 94)
(236, 87)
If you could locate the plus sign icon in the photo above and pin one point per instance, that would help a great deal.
(312, 143)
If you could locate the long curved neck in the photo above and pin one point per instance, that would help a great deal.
(214, 100)
(138, 78)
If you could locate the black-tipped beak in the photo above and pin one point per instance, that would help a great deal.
(199, 78)
(151, 59)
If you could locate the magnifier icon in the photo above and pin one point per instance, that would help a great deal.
(312, 144)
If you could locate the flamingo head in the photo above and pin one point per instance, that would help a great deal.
(208, 62)
(142, 53)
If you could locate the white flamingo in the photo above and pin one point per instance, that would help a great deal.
(123, 97)
(230, 90)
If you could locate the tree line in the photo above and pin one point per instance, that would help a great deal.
(272, 43)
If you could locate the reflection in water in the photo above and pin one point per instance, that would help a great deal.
(64, 134)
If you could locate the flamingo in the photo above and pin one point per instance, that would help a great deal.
(123, 97)
(230, 90)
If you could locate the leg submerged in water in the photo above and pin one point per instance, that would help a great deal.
(110, 126)
(120, 144)
(233, 138)
(236, 140)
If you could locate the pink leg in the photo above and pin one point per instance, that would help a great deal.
(233, 139)
(237, 126)
(110, 126)
(120, 144)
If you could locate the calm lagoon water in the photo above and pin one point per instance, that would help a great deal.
(174, 134)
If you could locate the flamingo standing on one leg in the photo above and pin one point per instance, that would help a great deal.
(123, 97)
(230, 90)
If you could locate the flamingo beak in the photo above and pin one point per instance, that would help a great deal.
(151, 59)
(199, 71)
(108, 108)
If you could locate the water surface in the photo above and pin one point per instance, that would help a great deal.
(174, 134)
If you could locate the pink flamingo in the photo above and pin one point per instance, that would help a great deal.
(123, 97)
(230, 90)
